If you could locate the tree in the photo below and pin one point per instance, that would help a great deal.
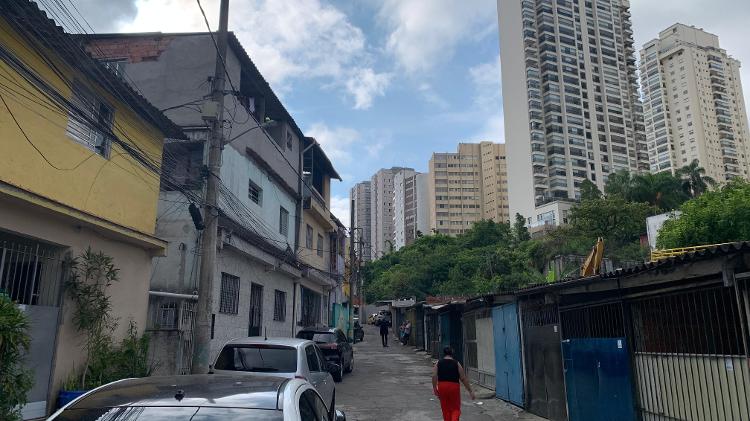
(589, 190)
(520, 232)
(619, 183)
(662, 190)
(717, 216)
(15, 380)
(694, 180)
(613, 218)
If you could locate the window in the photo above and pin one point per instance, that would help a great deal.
(260, 358)
(230, 294)
(312, 358)
(283, 221)
(320, 245)
(255, 193)
(279, 306)
(92, 126)
(309, 237)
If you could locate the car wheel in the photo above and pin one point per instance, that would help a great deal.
(350, 367)
(339, 375)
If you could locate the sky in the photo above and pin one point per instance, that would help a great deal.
(382, 83)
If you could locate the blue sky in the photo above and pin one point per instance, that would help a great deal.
(387, 82)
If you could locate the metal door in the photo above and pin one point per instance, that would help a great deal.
(256, 310)
(508, 373)
(598, 380)
(31, 274)
(544, 388)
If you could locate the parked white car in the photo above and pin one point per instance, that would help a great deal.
(286, 357)
(203, 396)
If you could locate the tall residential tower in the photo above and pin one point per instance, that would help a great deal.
(570, 99)
(693, 104)
(467, 186)
(381, 210)
(361, 204)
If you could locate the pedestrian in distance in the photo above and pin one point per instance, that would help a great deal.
(407, 332)
(447, 375)
(401, 333)
(384, 332)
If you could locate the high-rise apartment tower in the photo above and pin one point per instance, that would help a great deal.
(381, 210)
(467, 186)
(571, 105)
(360, 195)
(693, 104)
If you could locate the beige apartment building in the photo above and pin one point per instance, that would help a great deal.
(468, 186)
(693, 104)
(382, 230)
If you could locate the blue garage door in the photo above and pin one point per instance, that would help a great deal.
(597, 379)
(508, 376)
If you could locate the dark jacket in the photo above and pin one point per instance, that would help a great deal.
(384, 327)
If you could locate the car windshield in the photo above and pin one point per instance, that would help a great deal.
(142, 413)
(317, 337)
(258, 358)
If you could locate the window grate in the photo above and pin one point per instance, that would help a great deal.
(230, 294)
(320, 245)
(283, 221)
(255, 192)
(279, 306)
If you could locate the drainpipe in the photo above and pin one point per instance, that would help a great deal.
(299, 199)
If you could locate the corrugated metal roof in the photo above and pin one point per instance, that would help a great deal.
(719, 250)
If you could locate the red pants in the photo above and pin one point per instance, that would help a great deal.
(450, 400)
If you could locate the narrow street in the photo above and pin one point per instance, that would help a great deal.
(394, 384)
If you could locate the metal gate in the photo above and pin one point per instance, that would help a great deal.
(31, 274)
(479, 348)
(596, 359)
(545, 389)
(509, 375)
(690, 354)
(256, 310)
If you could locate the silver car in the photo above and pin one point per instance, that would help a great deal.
(287, 357)
(203, 397)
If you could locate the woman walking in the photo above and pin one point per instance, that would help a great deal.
(446, 375)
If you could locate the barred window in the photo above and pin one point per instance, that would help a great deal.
(279, 306)
(320, 245)
(309, 237)
(230, 294)
(283, 221)
(255, 193)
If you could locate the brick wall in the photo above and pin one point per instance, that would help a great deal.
(135, 49)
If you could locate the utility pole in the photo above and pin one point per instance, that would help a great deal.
(203, 314)
(361, 288)
(352, 276)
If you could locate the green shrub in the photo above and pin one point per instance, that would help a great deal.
(15, 380)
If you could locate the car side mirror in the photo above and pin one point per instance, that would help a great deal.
(340, 416)
(334, 368)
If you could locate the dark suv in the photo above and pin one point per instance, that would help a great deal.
(336, 348)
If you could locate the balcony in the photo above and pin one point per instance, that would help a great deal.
(316, 205)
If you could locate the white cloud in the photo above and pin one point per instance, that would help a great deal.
(424, 32)
(364, 84)
(487, 100)
(336, 142)
(432, 97)
(340, 208)
(287, 40)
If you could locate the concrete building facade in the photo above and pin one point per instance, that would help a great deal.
(467, 186)
(422, 184)
(571, 106)
(382, 230)
(406, 208)
(359, 198)
(81, 154)
(273, 274)
(693, 104)
(494, 182)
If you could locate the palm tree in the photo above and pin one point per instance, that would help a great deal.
(619, 183)
(662, 190)
(694, 180)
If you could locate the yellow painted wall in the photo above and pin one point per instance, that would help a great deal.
(117, 189)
